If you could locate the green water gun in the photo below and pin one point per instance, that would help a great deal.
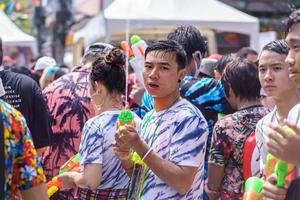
(125, 117)
(253, 188)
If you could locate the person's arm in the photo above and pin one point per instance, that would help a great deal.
(123, 154)
(283, 144)
(215, 178)
(90, 177)
(35, 193)
(217, 160)
(91, 157)
(169, 172)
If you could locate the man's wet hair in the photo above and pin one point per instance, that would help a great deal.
(170, 47)
(294, 19)
(190, 38)
(277, 46)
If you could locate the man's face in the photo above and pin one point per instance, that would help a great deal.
(293, 58)
(274, 75)
(161, 74)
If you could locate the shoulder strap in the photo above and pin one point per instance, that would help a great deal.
(2, 159)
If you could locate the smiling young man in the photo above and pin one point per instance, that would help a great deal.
(173, 137)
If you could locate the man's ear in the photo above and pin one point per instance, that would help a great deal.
(181, 74)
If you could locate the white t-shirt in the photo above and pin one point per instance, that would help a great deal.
(294, 115)
(177, 134)
(96, 148)
(260, 135)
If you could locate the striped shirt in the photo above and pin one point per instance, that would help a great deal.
(177, 134)
(96, 148)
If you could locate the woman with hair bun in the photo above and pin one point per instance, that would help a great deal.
(102, 175)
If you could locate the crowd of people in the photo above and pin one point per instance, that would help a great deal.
(194, 114)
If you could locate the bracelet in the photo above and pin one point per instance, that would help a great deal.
(147, 153)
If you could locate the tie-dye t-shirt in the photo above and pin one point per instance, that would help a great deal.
(96, 148)
(177, 134)
(22, 165)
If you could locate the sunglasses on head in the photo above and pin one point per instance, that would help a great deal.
(99, 47)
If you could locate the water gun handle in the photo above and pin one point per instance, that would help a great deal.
(53, 186)
(138, 46)
(126, 48)
(281, 171)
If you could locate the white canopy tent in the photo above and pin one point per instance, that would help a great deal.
(11, 35)
(202, 13)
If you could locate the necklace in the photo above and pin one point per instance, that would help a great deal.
(148, 119)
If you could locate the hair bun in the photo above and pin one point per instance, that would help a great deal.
(115, 58)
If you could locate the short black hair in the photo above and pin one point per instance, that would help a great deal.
(1, 52)
(294, 18)
(241, 76)
(109, 71)
(224, 60)
(169, 46)
(245, 51)
(278, 46)
(190, 38)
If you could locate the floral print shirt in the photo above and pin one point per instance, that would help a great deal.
(22, 165)
(227, 148)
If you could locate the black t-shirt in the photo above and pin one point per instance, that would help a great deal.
(24, 94)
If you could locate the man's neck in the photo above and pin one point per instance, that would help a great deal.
(166, 102)
(286, 103)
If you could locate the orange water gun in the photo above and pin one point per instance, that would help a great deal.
(126, 48)
(73, 164)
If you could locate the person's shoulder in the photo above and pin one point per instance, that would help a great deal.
(17, 76)
(190, 81)
(266, 119)
(185, 109)
(10, 112)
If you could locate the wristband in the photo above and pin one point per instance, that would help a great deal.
(147, 153)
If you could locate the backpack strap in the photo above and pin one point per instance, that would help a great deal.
(2, 159)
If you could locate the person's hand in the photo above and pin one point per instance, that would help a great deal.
(271, 192)
(283, 144)
(67, 180)
(126, 137)
(123, 153)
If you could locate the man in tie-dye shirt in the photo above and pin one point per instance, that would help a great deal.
(173, 138)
